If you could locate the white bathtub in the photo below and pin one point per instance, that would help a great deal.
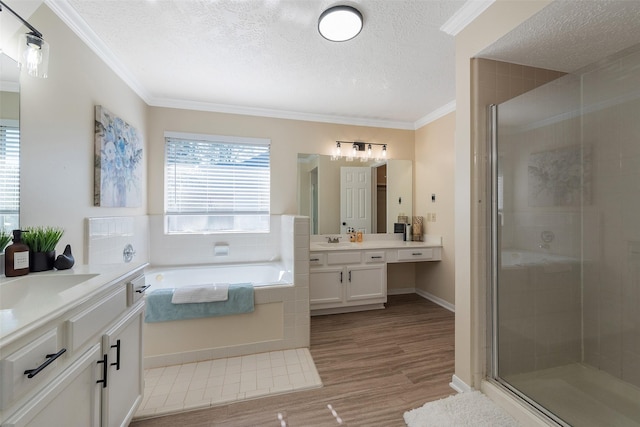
(522, 258)
(260, 274)
(192, 340)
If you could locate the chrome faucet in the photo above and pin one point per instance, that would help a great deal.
(333, 240)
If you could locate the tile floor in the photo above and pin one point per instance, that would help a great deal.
(200, 385)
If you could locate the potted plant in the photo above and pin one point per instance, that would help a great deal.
(5, 238)
(42, 243)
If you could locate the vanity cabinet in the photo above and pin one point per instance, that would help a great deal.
(344, 281)
(90, 365)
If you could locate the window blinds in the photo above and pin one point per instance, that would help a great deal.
(216, 177)
(9, 170)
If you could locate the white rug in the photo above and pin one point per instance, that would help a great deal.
(472, 409)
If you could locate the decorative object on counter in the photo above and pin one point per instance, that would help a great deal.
(402, 218)
(118, 162)
(352, 234)
(407, 236)
(359, 237)
(42, 243)
(5, 238)
(417, 228)
(16, 257)
(65, 260)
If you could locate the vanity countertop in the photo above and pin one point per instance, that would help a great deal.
(319, 243)
(28, 302)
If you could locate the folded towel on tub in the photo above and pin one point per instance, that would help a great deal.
(159, 307)
(201, 293)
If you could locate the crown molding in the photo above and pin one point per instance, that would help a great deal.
(436, 114)
(277, 114)
(74, 21)
(465, 15)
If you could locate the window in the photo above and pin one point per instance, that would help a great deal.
(216, 184)
(9, 175)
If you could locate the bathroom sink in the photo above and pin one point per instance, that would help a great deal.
(34, 288)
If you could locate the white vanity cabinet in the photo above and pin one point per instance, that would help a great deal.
(345, 280)
(96, 381)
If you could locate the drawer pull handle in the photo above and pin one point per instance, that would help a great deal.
(142, 289)
(105, 371)
(315, 259)
(416, 253)
(349, 276)
(341, 277)
(376, 257)
(30, 373)
(117, 362)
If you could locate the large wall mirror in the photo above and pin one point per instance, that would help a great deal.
(338, 194)
(9, 143)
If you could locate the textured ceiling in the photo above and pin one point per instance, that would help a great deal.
(568, 35)
(267, 54)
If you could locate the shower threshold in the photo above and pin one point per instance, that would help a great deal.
(581, 395)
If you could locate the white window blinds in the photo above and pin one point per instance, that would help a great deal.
(220, 177)
(9, 174)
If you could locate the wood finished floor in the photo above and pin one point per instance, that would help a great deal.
(374, 365)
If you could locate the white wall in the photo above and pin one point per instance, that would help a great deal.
(57, 133)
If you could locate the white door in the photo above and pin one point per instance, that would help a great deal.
(355, 199)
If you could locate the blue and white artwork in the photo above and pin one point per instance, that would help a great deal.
(118, 162)
(560, 177)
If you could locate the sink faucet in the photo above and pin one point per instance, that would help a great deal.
(333, 240)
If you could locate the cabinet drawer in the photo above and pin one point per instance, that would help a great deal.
(350, 257)
(373, 257)
(15, 383)
(135, 290)
(417, 254)
(316, 258)
(84, 325)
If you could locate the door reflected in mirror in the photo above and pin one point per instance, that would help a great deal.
(9, 144)
(367, 196)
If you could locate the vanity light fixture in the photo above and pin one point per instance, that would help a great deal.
(340, 23)
(33, 51)
(366, 148)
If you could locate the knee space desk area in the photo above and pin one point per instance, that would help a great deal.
(346, 276)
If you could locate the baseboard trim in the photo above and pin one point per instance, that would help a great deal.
(441, 302)
(401, 291)
(458, 385)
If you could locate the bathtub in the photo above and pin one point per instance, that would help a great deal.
(261, 274)
(192, 340)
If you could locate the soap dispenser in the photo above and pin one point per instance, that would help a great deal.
(16, 257)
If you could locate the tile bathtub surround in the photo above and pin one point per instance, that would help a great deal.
(107, 237)
(209, 383)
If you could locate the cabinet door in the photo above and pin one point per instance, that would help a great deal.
(123, 393)
(366, 282)
(325, 286)
(72, 399)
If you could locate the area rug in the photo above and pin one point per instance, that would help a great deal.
(472, 409)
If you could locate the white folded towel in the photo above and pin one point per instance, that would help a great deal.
(201, 293)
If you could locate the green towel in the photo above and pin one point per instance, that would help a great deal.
(160, 309)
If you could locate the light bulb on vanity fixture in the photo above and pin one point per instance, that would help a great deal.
(33, 50)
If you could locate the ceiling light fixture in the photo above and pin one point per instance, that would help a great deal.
(340, 23)
(33, 51)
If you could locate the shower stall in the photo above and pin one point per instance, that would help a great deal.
(565, 245)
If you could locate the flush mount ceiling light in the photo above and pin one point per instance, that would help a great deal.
(340, 23)
(33, 51)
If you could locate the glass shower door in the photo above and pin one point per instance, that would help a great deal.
(566, 245)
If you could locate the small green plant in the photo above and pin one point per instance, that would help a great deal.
(5, 238)
(42, 239)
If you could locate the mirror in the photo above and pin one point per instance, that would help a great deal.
(368, 196)
(9, 143)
